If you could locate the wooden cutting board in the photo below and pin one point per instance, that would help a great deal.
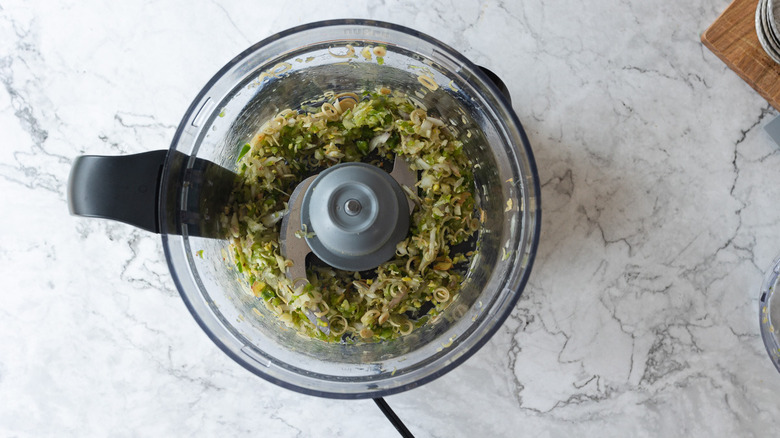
(732, 37)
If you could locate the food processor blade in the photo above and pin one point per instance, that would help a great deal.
(351, 216)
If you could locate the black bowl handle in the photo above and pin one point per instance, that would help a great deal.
(123, 188)
(126, 188)
(498, 83)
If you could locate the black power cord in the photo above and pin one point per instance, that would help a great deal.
(397, 423)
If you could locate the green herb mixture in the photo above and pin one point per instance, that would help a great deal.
(399, 295)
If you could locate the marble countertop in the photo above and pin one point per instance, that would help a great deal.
(640, 316)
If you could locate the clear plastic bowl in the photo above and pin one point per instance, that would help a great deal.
(769, 313)
(282, 72)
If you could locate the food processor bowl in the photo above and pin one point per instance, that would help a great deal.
(769, 312)
(299, 66)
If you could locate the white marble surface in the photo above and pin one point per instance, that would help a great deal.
(640, 318)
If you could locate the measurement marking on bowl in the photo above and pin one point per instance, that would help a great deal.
(255, 357)
(203, 112)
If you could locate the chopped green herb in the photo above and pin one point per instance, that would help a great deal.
(243, 152)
